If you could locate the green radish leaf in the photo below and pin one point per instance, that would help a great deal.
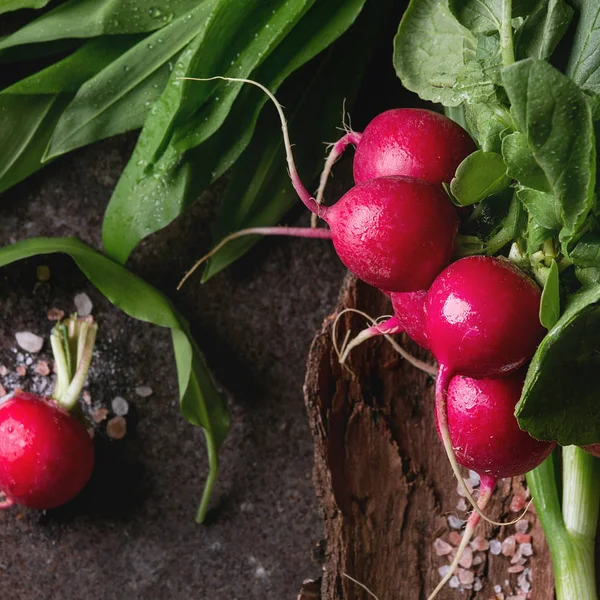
(478, 176)
(560, 395)
(536, 235)
(10, 5)
(521, 164)
(92, 18)
(587, 251)
(479, 16)
(128, 87)
(141, 204)
(260, 192)
(543, 29)
(200, 402)
(430, 49)
(556, 118)
(510, 228)
(584, 61)
(489, 123)
(541, 206)
(30, 109)
(550, 302)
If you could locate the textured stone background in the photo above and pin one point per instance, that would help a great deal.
(131, 534)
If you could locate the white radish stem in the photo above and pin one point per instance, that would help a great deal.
(302, 192)
(488, 484)
(352, 137)
(304, 232)
(441, 392)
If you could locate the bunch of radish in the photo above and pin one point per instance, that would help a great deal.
(479, 316)
(46, 453)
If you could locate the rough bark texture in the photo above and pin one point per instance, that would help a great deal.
(382, 477)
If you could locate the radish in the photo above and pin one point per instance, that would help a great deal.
(593, 449)
(412, 142)
(481, 320)
(486, 438)
(395, 233)
(46, 454)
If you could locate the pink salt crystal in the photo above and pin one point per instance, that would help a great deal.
(480, 543)
(477, 559)
(466, 560)
(116, 428)
(42, 368)
(2, 390)
(509, 545)
(441, 547)
(517, 504)
(466, 577)
(522, 526)
(516, 569)
(526, 549)
(99, 415)
(3, 371)
(21, 371)
(455, 538)
(55, 314)
(516, 559)
(522, 538)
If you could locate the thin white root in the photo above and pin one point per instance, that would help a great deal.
(419, 364)
(302, 192)
(359, 584)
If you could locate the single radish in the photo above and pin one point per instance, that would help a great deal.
(46, 455)
(486, 438)
(412, 142)
(481, 320)
(395, 233)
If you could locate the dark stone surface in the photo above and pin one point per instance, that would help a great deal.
(131, 534)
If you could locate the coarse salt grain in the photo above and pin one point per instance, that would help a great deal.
(509, 546)
(516, 569)
(477, 559)
(116, 428)
(495, 547)
(477, 585)
(55, 314)
(21, 371)
(466, 560)
(462, 505)
(466, 577)
(144, 391)
(120, 406)
(454, 582)
(526, 549)
(480, 543)
(455, 522)
(30, 342)
(443, 571)
(517, 504)
(455, 538)
(522, 538)
(42, 368)
(441, 547)
(83, 304)
(3, 371)
(522, 526)
(99, 415)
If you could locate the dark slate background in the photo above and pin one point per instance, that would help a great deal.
(131, 533)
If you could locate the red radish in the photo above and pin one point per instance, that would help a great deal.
(482, 317)
(46, 456)
(413, 142)
(396, 233)
(486, 438)
(481, 320)
(485, 435)
(593, 449)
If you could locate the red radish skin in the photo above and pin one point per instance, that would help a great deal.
(413, 142)
(409, 310)
(395, 233)
(482, 317)
(593, 449)
(484, 432)
(46, 456)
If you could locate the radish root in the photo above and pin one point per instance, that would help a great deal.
(337, 149)
(343, 351)
(302, 192)
(488, 485)
(361, 585)
(305, 232)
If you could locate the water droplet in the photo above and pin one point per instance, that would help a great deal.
(160, 40)
(126, 68)
(155, 12)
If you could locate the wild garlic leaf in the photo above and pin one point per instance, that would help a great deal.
(554, 115)
(430, 49)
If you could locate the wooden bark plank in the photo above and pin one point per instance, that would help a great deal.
(382, 477)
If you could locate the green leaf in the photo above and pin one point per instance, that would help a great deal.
(541, 206)
(550, 302)
(430, 49)
(489, 123)
(510, 228)
(536, 234)
(10, 5)
(201, 404)
(560, 395)
(543, 29)
(141, 204)
(556, 118)
(259, 192)
(587, 251)
(478, 176)
(92, 18)
(521, 164)
(113, 100)
(584, 61)
(30, 109)
(479, 16)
